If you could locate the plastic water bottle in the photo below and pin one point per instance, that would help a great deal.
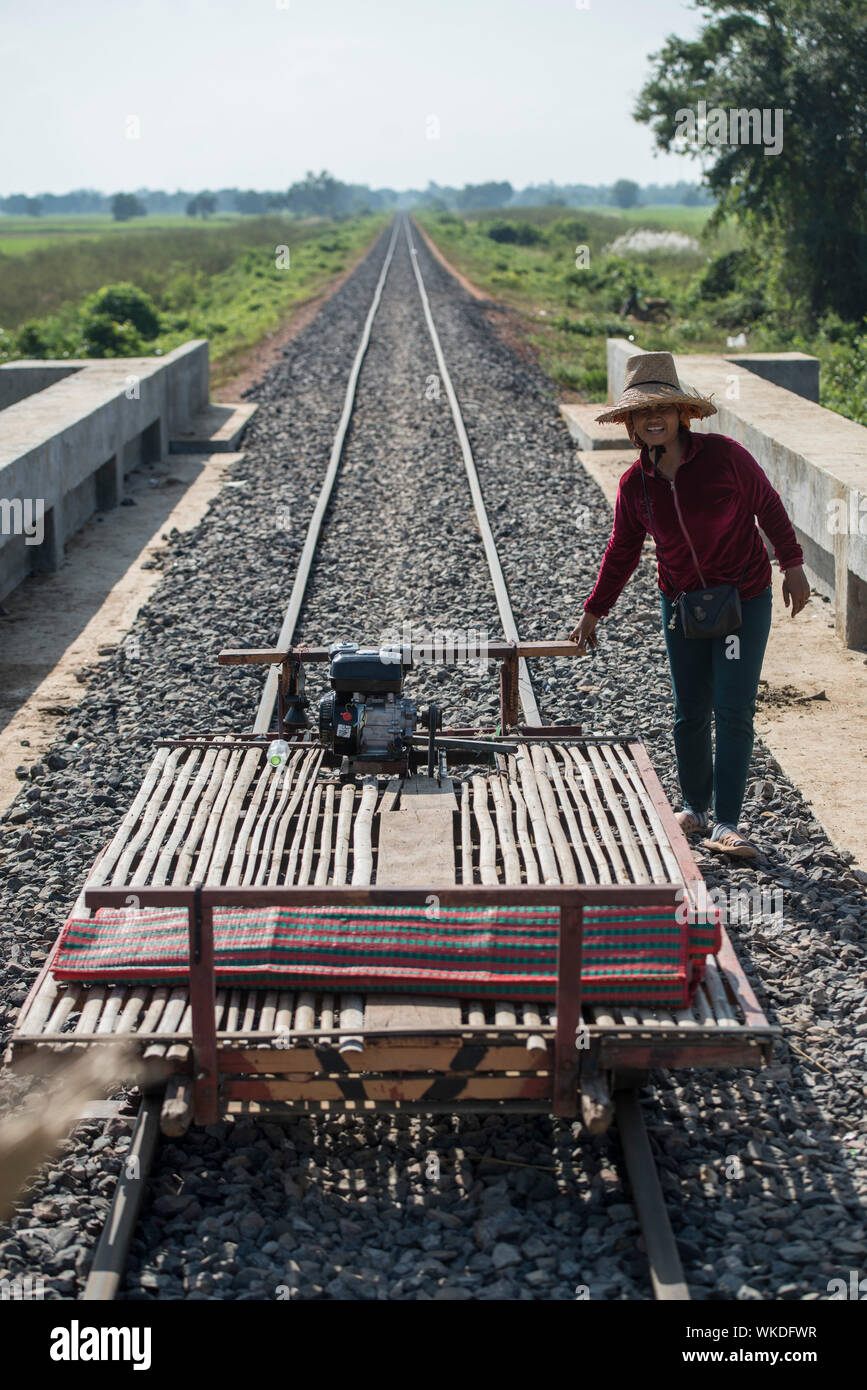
(278, 753)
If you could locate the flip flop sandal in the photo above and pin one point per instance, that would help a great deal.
(691, 823)
(731, 842)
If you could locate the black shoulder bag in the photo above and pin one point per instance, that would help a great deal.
(712, 611)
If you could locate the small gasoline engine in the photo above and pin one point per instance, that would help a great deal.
(366, 717)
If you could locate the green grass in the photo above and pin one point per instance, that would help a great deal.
(215, 280)
(566, 313)
(21, 235)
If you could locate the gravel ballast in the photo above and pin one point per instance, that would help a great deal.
(764, 1172)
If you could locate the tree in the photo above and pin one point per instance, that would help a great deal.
(625, 193)
(202, 204)
(318, 195)
(19, 205)
(798, 72)
(485, 195)
(125, 206)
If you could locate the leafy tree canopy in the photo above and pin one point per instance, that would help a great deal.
(802, 63)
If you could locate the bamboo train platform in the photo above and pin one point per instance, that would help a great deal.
(577, 816)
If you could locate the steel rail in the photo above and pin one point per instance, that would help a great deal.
(525, 687)
(106, 1272)
(666, 1271)
(302, 574)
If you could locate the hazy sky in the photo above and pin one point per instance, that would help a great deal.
(385, 92)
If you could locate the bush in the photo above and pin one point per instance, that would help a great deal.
(569, 228)
(124, 303)
(515, 233)
(836, 330)
(725, 274)
(30, 340)
(105, 337)
(740, 309)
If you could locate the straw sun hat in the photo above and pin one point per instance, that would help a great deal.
(651, 379)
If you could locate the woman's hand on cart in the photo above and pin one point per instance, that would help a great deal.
(796, 587)
(584, 634)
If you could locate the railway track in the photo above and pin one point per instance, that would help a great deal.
(666, 1276)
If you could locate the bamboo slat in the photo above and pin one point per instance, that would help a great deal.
(182, 820)
(231, 815)
(620, 871)
(298, 839)
(362, 844)
(90, 1013)
(178, 1052)
(154, 1011)
(602, 872)
(283, 785)
(466, 837)
(351, 1020)
(34, 1017)
(111, 1008)
(531, 869)
(541, 834)
(268, 1011)
(577, 841)
(508, 847)
(258, 817)
(150, 811)
(216, 806)
(629, 847)
(284, 1013)
(310, 836)
(531, 1018)
(619, 775)
(487, 837)
(302, 775)
(171, 1018)
(65, 1005)
(551, 812)
(651, 812)
(722, 1008)
(344, 823)
(106, 861)
(233, 1012)
(324, 864)
(166, 819)
(305, 1012)
(702, 1010)
(219, 776)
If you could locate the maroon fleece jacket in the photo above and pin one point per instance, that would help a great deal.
(720, 492)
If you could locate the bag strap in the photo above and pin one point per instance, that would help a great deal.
(652, 527)
(657, 451)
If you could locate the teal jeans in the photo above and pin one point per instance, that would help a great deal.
(719, 677)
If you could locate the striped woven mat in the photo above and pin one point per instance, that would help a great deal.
(643, 955)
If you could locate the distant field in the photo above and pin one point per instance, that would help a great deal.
(20, 235)
(217, 279)
(715, 289)
(666, 214)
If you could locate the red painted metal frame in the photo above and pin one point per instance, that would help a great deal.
(200, 902)
(203, 995)
(568, 1011)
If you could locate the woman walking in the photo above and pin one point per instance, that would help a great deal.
(699, 496)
